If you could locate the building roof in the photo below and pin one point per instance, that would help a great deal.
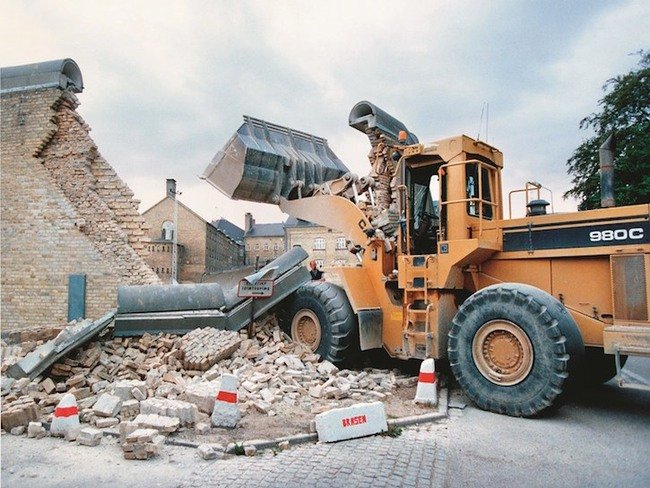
(266, 230)
(294, 222)
(229, 229)
(59, 73)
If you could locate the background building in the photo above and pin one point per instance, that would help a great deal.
(264, 242)
(202, 247)
(67, 217)
(326, 246)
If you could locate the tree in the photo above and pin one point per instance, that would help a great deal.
(625, 111)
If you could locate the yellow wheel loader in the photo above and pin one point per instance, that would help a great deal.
(520, 307)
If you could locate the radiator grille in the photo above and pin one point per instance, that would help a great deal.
(630, 287)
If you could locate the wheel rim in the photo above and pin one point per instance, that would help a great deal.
(305, 328)
(502, 352)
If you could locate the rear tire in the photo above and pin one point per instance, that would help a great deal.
(319, 315)
(512, 347)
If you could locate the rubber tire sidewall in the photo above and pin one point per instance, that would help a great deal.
(543, 319)
(339, 337)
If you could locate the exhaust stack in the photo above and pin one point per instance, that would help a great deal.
(606, 157)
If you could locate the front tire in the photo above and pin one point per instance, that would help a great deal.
(511, 348)
(319, 316)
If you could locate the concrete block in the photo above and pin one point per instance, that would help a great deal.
(250, 450)
(36, 429)
(107, 405)
(202, 395)
(123, 389)
(89, 436)
(20, 430)
(326, 368)
(347, 423)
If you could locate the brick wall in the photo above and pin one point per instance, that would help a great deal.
(64, 211)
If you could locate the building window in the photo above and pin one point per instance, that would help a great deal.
(319, 244)
(340, 243)
(168, 230)
(276, 246)
(266, 246)
(319, 263)
(257, 246)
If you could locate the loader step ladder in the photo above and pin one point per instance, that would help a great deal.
(631, 341)
(417, 334)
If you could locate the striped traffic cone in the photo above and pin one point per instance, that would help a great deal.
(226, 411)
(427, 390)
(66, 416)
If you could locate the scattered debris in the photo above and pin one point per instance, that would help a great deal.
(146, 383)
(142, 444)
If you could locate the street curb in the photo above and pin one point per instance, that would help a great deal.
(293, 440)
(441, 413)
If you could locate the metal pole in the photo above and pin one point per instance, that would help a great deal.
(174, 277)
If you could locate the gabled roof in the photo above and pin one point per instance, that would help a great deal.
(266, 230)
(229, 229)
(294, 222)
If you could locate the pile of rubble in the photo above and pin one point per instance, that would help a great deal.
(167, 382)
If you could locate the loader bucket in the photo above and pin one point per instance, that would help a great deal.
(263, 162)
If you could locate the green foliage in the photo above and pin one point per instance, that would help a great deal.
(239, 449)
(625, 111)
(393, 431)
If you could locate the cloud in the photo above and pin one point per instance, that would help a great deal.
(168, 82)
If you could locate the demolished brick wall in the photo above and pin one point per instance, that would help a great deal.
(64, 211)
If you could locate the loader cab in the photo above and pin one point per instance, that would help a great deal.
(453, 189)
(423, 183)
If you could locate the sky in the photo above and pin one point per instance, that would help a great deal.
(167, 83)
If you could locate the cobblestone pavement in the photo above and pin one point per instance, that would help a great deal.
(414, 459)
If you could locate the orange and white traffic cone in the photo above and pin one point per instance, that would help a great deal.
(226, 411)
(427, 390)
(66, 416)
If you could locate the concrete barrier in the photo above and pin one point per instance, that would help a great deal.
(66, 416)
(427, 389)
(348, 423)
(226, 411)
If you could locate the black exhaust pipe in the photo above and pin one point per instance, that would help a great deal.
(606, 157)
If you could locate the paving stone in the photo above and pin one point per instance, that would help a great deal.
(104, 423)
(159, 422)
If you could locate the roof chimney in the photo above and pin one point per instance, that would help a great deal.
(249, 221)
(171, 188)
